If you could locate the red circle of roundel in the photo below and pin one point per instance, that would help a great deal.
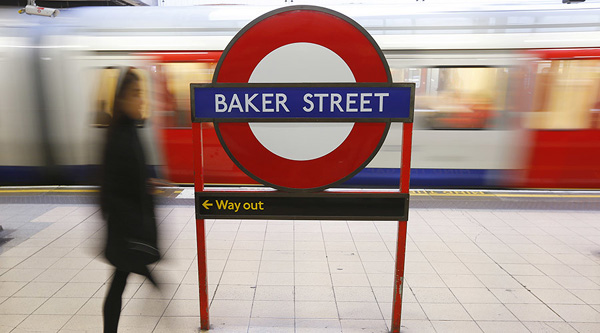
(275, 30)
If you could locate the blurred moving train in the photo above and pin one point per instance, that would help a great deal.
(505, 97)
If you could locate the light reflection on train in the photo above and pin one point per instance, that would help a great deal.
(503, 98)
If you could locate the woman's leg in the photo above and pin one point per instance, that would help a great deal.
(113, 301)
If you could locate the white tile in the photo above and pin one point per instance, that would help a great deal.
(538, 282)
(138, 323)
(233, 292)
(315, 293)
(316, 310)
(20, 251)
(24, 305)
(145, 307)
(21, 275)
(245, 255)
(229, 308)
(312, 279)
(243, 278)
(481, 269)
(556, 296)
(515, 296)
(278, 255)
(542, 327)
(339, 246)
(522, 269)
(274, 293)
(187, 291)
(44, 323)
(93, 307)
(577, 313)
(361, 325)
(269, 325)
(416, 326)
(451, 268)
(71, 263)
(493, 312)
(346, 280)
(589, 296)
(310, 255)
(9, 322)
(500, 281)
(74, 289)
(355, 294)
(314, 266)
(37, 262)
(376, 256)
(84, 323)
(576, 282)
(242, 266)
(184, 308)
(248, 245)
(436, 311)
(39, 289)
(456, 326)
(461, 281)
(74, 275)
(318, 326)
(278, 245)
(532, 312)
(309, 246)
(587, 327)
(474, 295)
(502, 327)
(267, 266)
(273, 309)
(434, 295)
(221, 324)
(275, 279)
(10, 262)
(379, 267)
(425, 280)
(61, 306)
(10, 288)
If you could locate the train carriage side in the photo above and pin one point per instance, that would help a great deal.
(473, 72)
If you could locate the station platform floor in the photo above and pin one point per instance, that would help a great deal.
(476, 261)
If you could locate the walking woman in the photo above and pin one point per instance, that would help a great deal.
(125, 198)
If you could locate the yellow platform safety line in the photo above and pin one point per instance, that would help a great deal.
(508, 195)
(48, 190)
(457, 193)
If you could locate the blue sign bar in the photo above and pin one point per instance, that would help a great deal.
(322, 102)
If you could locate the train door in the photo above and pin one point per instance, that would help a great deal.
(21, 154)
(173, 72)
(563, 118)
(462, 136)
(81, 86)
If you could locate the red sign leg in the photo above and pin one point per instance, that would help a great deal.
(399, 277)
(200, 231)
(407, 131)
(202, 278)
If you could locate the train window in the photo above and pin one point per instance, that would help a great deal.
(172, 90)
(105, 95)
(456, 98)
(566, 95)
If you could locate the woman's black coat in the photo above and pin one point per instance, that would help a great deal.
(125, 198)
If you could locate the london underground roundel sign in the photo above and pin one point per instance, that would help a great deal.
(302, 99)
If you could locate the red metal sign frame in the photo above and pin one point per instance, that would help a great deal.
(200, 223)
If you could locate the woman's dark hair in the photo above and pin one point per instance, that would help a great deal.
(125, 80)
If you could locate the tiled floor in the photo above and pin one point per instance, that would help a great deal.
(466, 271)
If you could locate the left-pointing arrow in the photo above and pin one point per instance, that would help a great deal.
(206, 204)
